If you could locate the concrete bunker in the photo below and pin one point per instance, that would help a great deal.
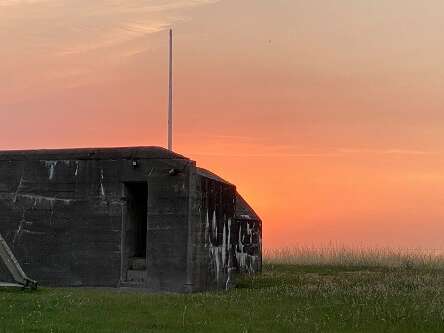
(140, 217)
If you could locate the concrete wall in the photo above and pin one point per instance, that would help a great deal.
(249, 245)
(213, 245)
(63, 219)
(223, 244)
(168, 224)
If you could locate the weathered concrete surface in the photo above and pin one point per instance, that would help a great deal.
(249, 237)
(62, 211)
(67, 215)
(168, 230)
(226, 240)
(213, 208)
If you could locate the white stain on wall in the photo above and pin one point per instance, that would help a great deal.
(51, 165)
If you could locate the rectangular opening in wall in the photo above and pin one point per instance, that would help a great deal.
(136, 231)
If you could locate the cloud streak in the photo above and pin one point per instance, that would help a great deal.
(131, 21)
(256, 149)
(115, 37)
(72, 39)
(10, 3)
(391, 151)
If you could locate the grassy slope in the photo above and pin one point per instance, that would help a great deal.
(285, 298)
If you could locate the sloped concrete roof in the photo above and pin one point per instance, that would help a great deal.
(207, 173)
(150, 152)
(244, 210)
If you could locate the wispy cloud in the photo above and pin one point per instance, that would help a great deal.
(122, 23)
(9, 3)
(390, 151)
(72, 39)
(114, 37)
(263, 146)
(245, 146)
(325, 154)
(268, 155)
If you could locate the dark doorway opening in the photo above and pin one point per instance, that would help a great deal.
(135, 233)
(136, 229)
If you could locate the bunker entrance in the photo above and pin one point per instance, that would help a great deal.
(136, 232)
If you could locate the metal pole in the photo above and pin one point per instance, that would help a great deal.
(170, 97)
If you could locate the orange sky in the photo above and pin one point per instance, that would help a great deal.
(327, 114)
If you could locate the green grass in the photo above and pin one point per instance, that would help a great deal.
(285, 298)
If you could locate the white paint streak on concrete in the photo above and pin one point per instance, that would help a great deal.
(207, 229)
(224, 245)
(39, 198)
(20, 227)
(76, 173)
(18, 232)
(37, 233)
(240, 245)
(229, 232)
(215, 255)
(51, 168)
(102, 188)
(249, 232)
(214, 225)
(241, 259)
(19, 186)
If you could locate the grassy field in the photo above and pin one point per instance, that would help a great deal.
(385, 294)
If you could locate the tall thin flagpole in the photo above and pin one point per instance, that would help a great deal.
(170, 97)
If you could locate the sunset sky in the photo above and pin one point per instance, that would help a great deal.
(328, 115)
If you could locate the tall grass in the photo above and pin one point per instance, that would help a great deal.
(334, 255)
(308, 296)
